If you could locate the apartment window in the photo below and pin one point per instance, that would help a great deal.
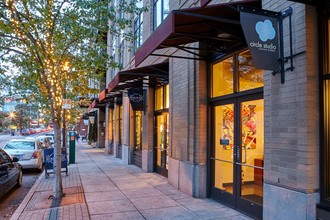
(113, 55)
(121, 53)
(138, 27)
(161, 10)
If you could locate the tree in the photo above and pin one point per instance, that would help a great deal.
(41, 37)
(92, 133)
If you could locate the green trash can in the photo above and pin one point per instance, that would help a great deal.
(72, 147)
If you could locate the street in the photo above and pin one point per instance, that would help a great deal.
(11, 201)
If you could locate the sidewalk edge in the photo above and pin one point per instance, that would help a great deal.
(27, 198)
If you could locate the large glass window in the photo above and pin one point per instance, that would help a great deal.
(138, 130)
(161, 129)
(222, 78)
(325, 152)
(161, 10)
(162, 99)
(121, 54)
(249, 76)
(120, 124)
(235, 74)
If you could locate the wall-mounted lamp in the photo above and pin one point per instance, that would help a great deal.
(92, 119)
(85, 121)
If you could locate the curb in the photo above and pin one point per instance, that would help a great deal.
(27, 198)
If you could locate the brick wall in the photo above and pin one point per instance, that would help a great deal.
(292, 108)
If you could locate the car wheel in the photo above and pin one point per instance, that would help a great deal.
(19, 179)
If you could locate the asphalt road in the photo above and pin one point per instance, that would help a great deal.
(13, 199)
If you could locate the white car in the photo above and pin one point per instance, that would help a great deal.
(28, 151)
(43, 139)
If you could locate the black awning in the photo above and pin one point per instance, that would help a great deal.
(217, 26)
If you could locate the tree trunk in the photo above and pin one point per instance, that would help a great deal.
(57, 183)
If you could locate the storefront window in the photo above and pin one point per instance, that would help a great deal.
(235, 74)
(325, 158)
(249, 76)
(167, 98)
(162, 99)
(222, 78)
(162, 104)
(120, 124)
(138, 130)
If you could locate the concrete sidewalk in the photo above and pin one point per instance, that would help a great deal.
(100, 186)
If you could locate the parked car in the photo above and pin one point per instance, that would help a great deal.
(10, 173)
(28, 151)
(25, 131)
(47, 141)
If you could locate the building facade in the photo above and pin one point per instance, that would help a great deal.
(191, 105)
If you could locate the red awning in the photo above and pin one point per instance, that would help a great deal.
(92, 105)
(96, 104)
(156, 74)
(103, 95)
(217, 26)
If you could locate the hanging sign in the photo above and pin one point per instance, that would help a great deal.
(136, 99)
(66, 104)
(261, 31)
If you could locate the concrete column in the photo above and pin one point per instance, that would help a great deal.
(116, 130)
(126, 136)
(148, 132)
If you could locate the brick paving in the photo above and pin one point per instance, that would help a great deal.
(100, 186)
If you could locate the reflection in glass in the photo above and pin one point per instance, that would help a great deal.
(161, 10)
(138, 130)
(120, 124)
(249, 76)
(159, 98)
(224, 141)
(222, 78)
(252, 134)
(162, 140)
(326, 101)
(167, 96)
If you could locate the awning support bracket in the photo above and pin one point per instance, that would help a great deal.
(282, 59)
(173, 56)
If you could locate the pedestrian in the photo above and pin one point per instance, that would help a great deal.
(77, 137)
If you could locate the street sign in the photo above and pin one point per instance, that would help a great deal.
(66, 104)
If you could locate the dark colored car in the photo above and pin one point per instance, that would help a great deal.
(10, 173)
(25, 131)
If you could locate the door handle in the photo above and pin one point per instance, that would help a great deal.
(244, 162)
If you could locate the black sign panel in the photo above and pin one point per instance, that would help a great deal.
(261, 32)
(49, 158)
(136, 99)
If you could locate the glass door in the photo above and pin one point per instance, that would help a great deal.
(223, 153)
(161, 149)
(250, 157)
(237, 154)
